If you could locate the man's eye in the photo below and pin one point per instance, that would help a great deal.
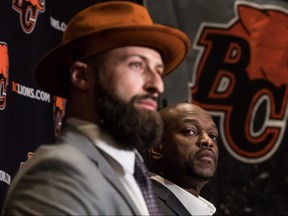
(188, 132)
(214, 138)
(136, 65)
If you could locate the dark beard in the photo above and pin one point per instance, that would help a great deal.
(129, 126)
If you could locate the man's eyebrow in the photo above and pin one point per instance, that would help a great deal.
(161, 65)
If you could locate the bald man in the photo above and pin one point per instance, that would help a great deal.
(185, 160)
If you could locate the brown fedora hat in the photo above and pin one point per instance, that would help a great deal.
(102, 27)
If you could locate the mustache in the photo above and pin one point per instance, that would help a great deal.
(207, 153)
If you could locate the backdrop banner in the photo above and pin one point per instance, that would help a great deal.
(237, 70)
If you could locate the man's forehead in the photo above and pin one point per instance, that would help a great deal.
(146, 53)
(131, 49)
(186, 112)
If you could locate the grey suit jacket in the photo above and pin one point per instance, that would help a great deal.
(168, 202)
(70, 177)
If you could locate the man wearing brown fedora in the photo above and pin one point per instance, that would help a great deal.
(109, 66)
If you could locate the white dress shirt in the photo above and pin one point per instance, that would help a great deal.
(195, 205)
(121, 160)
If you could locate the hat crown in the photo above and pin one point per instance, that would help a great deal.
(106, 16)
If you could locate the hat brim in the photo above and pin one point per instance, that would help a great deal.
(52, 70)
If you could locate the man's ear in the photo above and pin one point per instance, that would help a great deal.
(156, 151)
(79, 75)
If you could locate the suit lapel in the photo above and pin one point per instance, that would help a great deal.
(73, 136)
(171, 200)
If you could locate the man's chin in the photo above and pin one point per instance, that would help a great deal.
(206, 174)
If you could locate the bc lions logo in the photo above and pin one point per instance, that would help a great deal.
(4, 73)
(28, 10)
(242, 77)
(58, 113)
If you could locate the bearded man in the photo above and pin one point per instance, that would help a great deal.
(109, 66)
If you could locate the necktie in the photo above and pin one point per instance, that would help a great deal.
(141, 176)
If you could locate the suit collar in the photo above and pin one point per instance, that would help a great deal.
(73, 136)
(171, 200)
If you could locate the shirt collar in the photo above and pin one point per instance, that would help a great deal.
(103, 141)
(195, 205)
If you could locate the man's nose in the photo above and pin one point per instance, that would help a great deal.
(153, 82)
(205, 141)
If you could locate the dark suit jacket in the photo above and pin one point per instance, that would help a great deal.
(168, 202)
(70, 177)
